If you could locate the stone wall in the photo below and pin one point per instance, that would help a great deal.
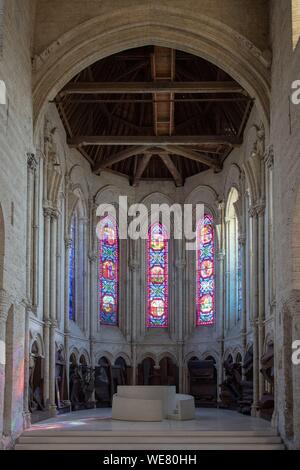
(15, 143)
(285, 137)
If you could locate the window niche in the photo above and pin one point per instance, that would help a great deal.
(233, 262)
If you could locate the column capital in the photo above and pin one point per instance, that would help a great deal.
(68, 242)
(260, 208)
(31, 161)
(54, 323)
(47, 323)
(92, 256)
(269, 157)
(133, 264)
(55, 213)
(47, 211)
(221, 255)
(252, 211)
(4, 304)
(221, 205)
(242, 239)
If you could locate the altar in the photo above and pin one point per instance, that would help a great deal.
(151, 403)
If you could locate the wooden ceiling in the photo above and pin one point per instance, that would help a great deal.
(154, 113)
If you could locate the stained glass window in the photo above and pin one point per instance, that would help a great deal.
(157, 277)
(205, 275)
(72, 262)
(240, 281)
(108, 272)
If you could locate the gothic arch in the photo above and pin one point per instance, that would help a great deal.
(123, 356)
(228, 352)
(145, 355)
(108, 356)
(83, 352)
(232, 180)
(211, 353)
(237, 352)
(169, 355)
(74, 351)
(197, 34)
(189, 356)
(36, 338)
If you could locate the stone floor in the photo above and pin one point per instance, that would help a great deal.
(207, 419)
(213, 429)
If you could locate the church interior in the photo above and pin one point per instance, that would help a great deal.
(174, 103)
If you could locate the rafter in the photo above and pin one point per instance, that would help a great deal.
(141, 166)
(151, 87)
(172, 168)
(150, 141)
(118, 157)
(192, 155)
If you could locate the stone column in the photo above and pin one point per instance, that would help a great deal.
(68, 244)
(4, 307)
(134, 269)
(221, 289)
(92, 302)
(36, 228)
(261, 292)
(47, 217)
(242, 243)
(53, 313)
(26, 412)
(180, 265)
(30, 275)
(31, 166)
(254, 309)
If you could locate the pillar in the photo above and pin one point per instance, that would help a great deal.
(47, 217)
(221, 290)
(4, 307)
(261, 293)
(254, 309)
(180, 265)
(68, 244)
(53, 313)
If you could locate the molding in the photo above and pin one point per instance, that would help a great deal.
(114, 31)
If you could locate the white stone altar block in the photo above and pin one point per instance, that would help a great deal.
(151, 403)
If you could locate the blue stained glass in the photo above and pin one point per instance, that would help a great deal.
(157, 277)
(72, 270)
(108, 272)
(205, 302)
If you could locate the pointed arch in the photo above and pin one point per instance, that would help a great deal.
(157, 277)
(233, 260)
(108, 271)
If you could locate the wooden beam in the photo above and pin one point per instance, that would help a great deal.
(192, 155)
(152, 141)
(118, 157)
(191, 99)
(172, 169)
(143, 163)
(88, 88)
